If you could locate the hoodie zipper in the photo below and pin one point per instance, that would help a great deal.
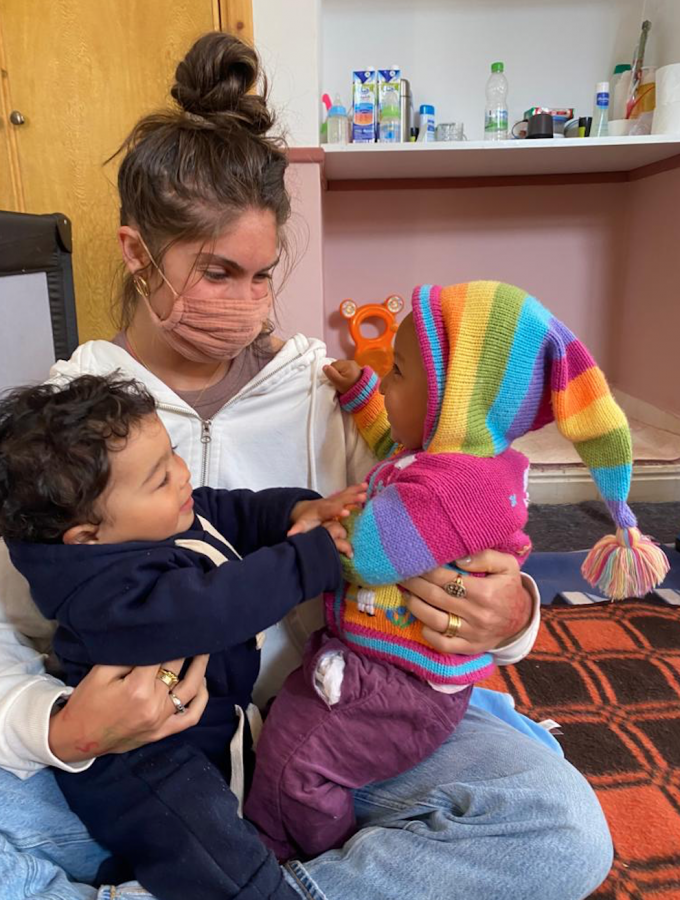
(206, 424)
(206, 438)
(206, 433)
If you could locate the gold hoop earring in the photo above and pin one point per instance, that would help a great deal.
(141, 286)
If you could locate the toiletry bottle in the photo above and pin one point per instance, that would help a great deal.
(600, 126)
(426, 134)
(618, 90)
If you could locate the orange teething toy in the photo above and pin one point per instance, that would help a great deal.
(375, 352)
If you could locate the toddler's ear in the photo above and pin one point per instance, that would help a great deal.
(82, 534)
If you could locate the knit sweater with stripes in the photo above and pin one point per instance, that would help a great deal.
(424, 510)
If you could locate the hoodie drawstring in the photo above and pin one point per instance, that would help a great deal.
(311, 454)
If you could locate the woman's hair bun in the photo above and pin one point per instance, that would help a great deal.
(214, 80)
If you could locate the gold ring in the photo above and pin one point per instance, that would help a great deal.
(167, 677)
(453, 626)
(456, 588)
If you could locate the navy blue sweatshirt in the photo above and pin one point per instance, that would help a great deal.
(141, 603)
(160, 808)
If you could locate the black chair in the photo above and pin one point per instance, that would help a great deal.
(37, 303)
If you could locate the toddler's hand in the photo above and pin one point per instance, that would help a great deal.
(339, 535)
(343, 374)
(308, 514)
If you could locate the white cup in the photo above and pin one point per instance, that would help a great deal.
(619, 127)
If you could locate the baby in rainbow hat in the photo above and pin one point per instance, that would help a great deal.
(477, 365)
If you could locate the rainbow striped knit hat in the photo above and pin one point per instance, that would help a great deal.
(499, 365)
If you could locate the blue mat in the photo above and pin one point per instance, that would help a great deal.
(559, 575)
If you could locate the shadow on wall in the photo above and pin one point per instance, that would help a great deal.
(646, 324)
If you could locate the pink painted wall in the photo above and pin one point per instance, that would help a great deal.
(603, 257)
(646, 321)
(560, 243)
(299, 299)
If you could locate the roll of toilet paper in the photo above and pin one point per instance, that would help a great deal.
(667, 119)
(668, 85)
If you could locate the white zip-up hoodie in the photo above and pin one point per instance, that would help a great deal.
(284, 428)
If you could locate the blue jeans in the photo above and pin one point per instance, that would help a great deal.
(492, 813)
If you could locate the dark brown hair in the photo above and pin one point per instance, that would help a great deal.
(190, 171)
(55, 443)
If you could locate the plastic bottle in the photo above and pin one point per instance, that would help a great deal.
(337, 122)
(426, 132)
(390, 119)
(600, 126)
(496, 114)
(618, 93)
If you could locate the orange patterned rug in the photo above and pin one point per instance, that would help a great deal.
(610, 675)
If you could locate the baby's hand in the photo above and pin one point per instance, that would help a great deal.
(308, 514)
(339, 535)
(343, 374)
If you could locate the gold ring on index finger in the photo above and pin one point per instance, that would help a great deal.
(456, 588)
(453, 626)
(168, 677)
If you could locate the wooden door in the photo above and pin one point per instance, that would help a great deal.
(81, 73)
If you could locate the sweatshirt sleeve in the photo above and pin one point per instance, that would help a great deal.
(520, 646)
(442, 508)
(190, 611)
(251, 519)
(27, 692)
(366, 404)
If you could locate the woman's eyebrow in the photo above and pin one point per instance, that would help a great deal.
(231, 263)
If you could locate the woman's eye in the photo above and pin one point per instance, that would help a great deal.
(216, 274)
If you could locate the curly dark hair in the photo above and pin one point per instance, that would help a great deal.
(55, 445)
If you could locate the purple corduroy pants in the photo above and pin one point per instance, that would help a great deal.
(311, 755)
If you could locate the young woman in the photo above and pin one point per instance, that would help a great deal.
(492, 813)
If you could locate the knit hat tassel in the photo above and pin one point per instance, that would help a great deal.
(626, 565)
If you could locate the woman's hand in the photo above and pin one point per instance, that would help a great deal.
(343, 374)
(117, 708)
(494, 610)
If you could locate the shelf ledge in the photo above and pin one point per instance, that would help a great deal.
(485, 164)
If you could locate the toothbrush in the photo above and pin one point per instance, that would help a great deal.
(637, 67)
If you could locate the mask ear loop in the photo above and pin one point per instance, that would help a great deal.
(160, 272)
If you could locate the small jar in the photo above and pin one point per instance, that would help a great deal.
(450, 131)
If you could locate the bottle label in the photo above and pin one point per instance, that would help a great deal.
(603, 100)
(496, 120)
(390, 132)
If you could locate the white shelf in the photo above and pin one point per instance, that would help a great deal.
(479, 159)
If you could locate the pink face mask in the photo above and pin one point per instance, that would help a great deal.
(210, 327)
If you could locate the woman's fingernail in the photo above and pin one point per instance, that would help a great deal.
(464, 562)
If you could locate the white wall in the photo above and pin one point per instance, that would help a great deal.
(288, 39)
(665, 40)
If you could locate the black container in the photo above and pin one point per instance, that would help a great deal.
(540, 126)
